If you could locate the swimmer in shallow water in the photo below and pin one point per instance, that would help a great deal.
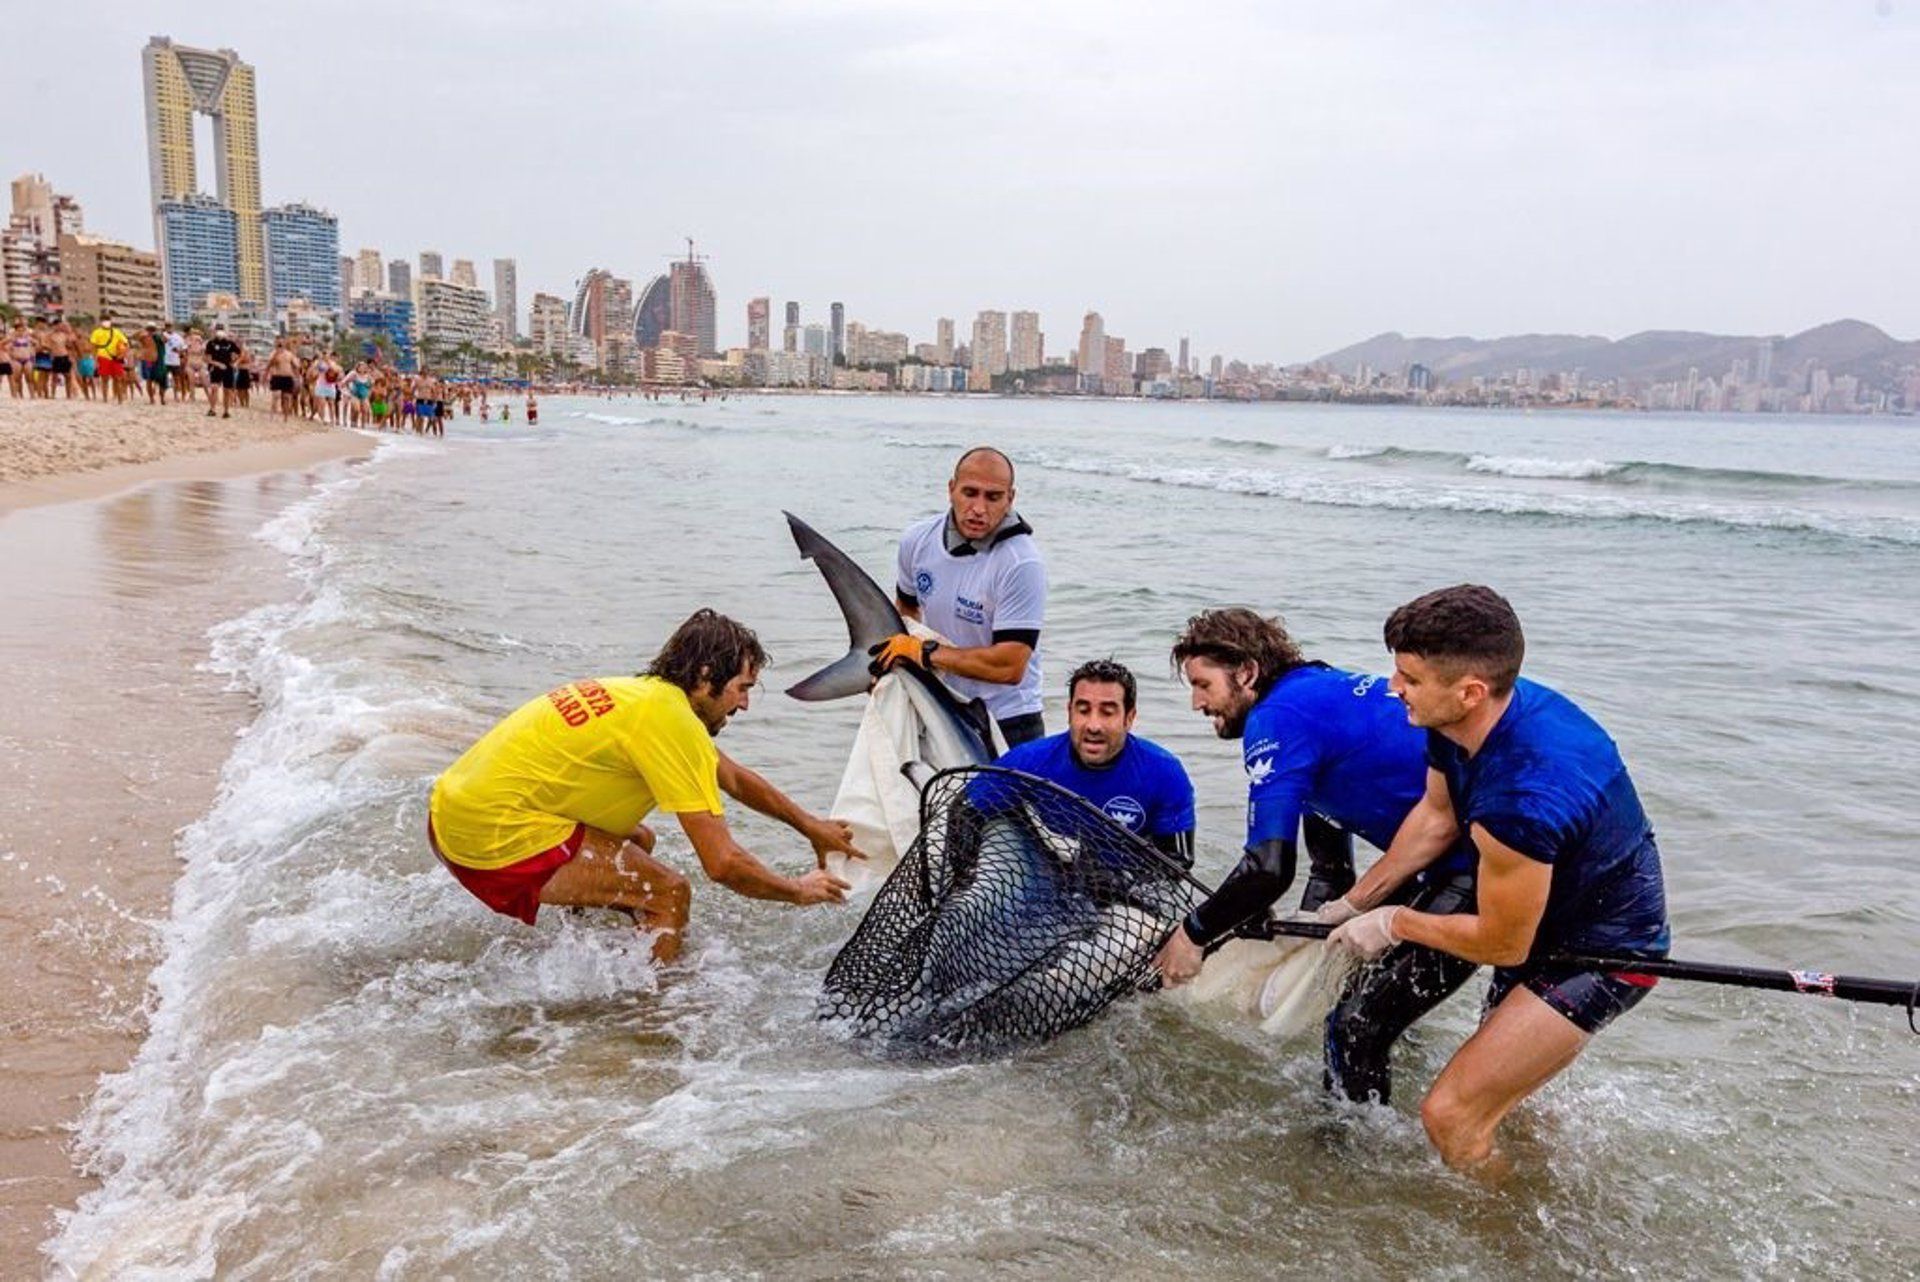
(549, 806)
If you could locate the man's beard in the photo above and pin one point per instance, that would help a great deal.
(1234, 724)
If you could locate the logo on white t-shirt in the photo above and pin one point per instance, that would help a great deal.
(923, 584)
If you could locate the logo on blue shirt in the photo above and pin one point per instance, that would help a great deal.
(1126, 812)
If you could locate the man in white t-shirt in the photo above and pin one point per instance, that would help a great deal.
(974, 575)
(175, 354)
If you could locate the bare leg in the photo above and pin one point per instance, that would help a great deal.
(1520, 1047)
(612, 872)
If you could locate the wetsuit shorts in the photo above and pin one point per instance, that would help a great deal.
(513, 891)
(1591, 999)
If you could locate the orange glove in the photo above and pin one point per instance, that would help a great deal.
(899, 648)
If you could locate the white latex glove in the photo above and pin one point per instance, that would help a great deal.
(1336, 912)
(1369, 934)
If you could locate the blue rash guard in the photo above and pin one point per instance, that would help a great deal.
(1145, 789)
(1326, 742)
(1550, 784)
(1337, 744)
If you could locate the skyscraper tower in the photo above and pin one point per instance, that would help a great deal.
(759, 319)
(943, 340)
(432, 266)
(790, 338)
(837, 328)
(693, 308)
(1184, 370)
(180, 82)
(506, 295)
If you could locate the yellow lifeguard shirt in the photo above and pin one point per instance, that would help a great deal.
(108, 342)
(605, 753)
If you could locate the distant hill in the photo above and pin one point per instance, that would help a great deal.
(1843, 347)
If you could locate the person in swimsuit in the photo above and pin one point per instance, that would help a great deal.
(282, 371)
(19, 362)
(62, 343)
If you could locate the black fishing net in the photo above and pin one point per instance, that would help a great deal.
(1018, 913)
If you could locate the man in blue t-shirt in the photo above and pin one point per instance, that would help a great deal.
(1134, 782)
(1329, 753)
(1567, 860)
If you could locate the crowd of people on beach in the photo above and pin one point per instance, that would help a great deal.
(300, 376)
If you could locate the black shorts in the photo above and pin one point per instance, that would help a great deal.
(63, 364)
(242, 379)
(1590, 999)
(280, 383)
(221, 376)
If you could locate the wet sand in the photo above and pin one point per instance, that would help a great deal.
(111, 740)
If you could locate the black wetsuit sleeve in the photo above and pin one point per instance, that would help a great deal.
(1028, 637)
(1177, 844)
(1262, 876)
(906, 598)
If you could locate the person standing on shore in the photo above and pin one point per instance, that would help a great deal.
(110, 353)
(282, 371)
(174, 350)
(549, 807)
(973, 575)
(19, 358)
(221, 354)
(62, 344)
(1567, 860)
(152, 355)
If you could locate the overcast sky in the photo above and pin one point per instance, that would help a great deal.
(1276, 180)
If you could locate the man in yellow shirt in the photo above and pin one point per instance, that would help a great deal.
(549, 806)
(110, 356)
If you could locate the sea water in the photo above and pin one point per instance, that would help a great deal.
(355, 1070)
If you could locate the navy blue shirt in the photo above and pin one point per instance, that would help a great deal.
(1550, 784)
(1145, 789)
(1338, 744)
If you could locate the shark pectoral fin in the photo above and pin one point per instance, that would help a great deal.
(846, 676)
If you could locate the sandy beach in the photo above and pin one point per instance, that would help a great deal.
(111, 734)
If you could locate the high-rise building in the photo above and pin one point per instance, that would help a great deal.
(201, 237)
(1027, 346)
(1185, 368)
(17, 249)
(790, 337)
(653, 314)
(450, 316)
(506, 296)
(106, 278)
(990, 343)
(618, 302)
(390, 316)
(943, 340)
(814, 340)
(588, 315)
(30, 273)
(1093, 346)
(1152, 363)
(179, 83)
(400, 278)
(463, 273)
(759, 324)
(1763, 363)
(547, 324)
(368, 271)
(693, 303)
(837, 325)
(303, 257)
(432, 266)
(1119, 379)
(1214, 368)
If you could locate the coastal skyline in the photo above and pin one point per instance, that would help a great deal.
(1184, 215)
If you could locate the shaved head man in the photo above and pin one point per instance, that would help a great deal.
(974, 575)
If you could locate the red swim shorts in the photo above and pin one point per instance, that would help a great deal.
(107, 367)
(515, 889)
